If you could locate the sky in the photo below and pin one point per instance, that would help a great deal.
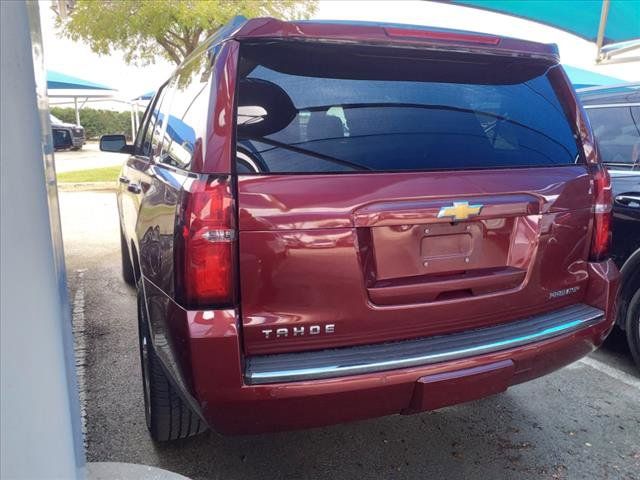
(77, 59)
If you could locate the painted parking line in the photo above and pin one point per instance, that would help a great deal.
(612, 372)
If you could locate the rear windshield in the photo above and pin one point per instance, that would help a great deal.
(311, 108)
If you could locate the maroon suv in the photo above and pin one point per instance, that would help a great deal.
(335, 221)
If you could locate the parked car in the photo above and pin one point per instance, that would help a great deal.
(61, 138)
(62, 130)
(331, 222)
(614, 114)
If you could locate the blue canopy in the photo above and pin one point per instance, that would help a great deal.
(579, 17)
(180, 132)
(146, 96)
(57, 80)
(584, 78)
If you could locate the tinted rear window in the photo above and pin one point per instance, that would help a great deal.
(307, 108)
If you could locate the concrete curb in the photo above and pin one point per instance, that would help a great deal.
(125, 471)
(87, 186)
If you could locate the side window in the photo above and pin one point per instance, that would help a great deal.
(635, 151)
(153, 137)
(143, 126)
(145, 144)
(618, 134)
(185, 118)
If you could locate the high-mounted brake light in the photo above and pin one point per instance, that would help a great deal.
(205, 244)
(603, 204)
(443, 36)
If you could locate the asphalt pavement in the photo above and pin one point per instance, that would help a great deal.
(89, 157)
(582, 422)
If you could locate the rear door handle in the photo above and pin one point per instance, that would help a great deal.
(134, 188)
(124, 180)
(629, 200)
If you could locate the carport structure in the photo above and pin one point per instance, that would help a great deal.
(63, 86)
(581, 78)
(60, 85)
(74, 90)
(613, 25)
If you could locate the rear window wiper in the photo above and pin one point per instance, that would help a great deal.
(445, 108)
(311, 153)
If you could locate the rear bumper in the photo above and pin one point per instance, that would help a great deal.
(78, 140)
(218, 375)
(341, 362)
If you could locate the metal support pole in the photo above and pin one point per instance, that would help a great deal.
(137, 116)
(133, 123)
(604, 13)
(75, 103)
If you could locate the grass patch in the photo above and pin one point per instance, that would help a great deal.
(105, 174)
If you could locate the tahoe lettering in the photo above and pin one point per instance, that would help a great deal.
(284, 332)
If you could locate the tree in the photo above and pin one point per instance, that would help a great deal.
(172, 29)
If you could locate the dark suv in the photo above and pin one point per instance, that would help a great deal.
(335, 221)
(67, 134)
(615, 118)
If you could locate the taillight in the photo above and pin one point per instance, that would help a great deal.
(601, 182)
(444, 36)
(205, 244)
(602, 207)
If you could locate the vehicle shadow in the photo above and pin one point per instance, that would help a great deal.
(616, 343)
(615, 351)
(528, 432)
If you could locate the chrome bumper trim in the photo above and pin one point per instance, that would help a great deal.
(340, 362)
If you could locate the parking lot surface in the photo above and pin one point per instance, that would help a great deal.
(580, 422)
(86, 159)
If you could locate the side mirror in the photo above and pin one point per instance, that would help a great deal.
(115, 143)
(61, 139)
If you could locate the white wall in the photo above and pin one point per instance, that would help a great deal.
(40, 433)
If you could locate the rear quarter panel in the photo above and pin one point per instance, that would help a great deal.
(153, 218)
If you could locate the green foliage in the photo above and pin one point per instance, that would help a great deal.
(97, 122)
(148, 29)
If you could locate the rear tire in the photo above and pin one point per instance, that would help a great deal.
(167, 415)
(632, 327)
(127, 267)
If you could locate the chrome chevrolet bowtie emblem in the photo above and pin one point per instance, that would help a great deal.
(460, 211)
